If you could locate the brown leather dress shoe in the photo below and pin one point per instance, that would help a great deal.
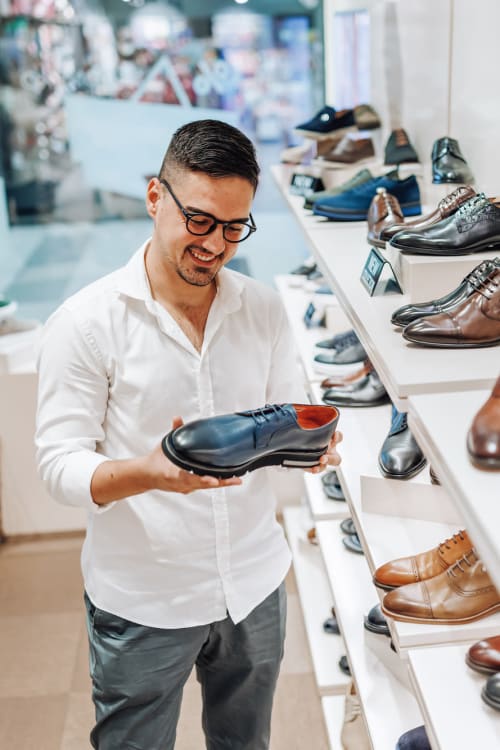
(473, 323)
(338, 382)
(463, 593)
(484, 656)
(383, 212)
(425, 565)
(446, 206)
(351, 151)
(483, 439)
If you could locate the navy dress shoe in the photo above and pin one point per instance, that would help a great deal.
(294, 435)
(354, 204)
(329, 121)
(344, 665)
(400, 457)
(474, 228)
(415, 739)
(375, 622)
(405, 315)
(332, 487)
(448, 163)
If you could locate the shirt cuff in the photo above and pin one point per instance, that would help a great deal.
(79, 469)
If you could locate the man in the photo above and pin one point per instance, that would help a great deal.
(179, 570)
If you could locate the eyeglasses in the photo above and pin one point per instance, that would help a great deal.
(201, 224)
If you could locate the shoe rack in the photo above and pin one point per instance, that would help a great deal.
(426, 680)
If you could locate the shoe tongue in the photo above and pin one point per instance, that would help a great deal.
(392, 175)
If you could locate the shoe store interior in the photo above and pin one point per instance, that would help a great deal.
(379, 229)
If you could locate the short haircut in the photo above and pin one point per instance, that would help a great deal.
(212, 147)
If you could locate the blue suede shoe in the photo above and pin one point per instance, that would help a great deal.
(353, 205)
(229, 445)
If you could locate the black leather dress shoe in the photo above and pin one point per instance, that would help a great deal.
(331, 486)
(375, 621)
(294, 435)
(328, 120)
(344, 665)
(473, 228)
(347, 526)
(448, 163)
(331, 625)
(405, 315)
(352, 543)
(400, 457)
(398, 149)
(491, 691)
(369, 391)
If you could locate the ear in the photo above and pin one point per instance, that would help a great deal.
(153, 196)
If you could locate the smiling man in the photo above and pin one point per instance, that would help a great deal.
(179, 570)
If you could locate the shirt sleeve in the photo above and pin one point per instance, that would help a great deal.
(72, 402)
(286, 382)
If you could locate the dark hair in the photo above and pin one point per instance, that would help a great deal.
(212, 147)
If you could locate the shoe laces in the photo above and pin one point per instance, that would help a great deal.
(449, 200)
(388, 198)
(401, 137)
(455, 539)
(399, 421)
(469, 559)
(473, 206)
(488, 284)
(348, 340)
(266, 413)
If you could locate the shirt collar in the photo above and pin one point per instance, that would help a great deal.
(133, 282)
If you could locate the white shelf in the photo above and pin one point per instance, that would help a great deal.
(340, 249)
(388, 704)
(441, 423)
(322, 508)
(316, 600)
(449, 694)
(333, 714)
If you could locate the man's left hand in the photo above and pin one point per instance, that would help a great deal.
(330, 457)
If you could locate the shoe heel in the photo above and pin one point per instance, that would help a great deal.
(301, 461)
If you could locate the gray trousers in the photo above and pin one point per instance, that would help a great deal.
(138, 675)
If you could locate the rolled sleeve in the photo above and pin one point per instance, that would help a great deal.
(72, 399)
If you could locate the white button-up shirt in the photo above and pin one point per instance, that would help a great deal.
(114, 369)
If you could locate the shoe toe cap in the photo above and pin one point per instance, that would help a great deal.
(395, 573)
(431, 328)
(409, 601)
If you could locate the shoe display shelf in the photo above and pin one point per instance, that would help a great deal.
(387, 701)
(296, 301)
(440, 422)
(316, 599)
(449, 695)
(321, 507)
(333, 715)
(341, 250)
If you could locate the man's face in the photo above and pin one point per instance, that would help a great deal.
(196, 258)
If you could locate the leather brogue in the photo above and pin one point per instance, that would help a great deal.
(423, 566)
(484, 656)
(446, 207)
(415, 739)
(398, 149)
(483, 438)
(473, 228)
(448, 163)
(365, 392)
(400, 456)
(351, 151)
(375, 622)
(346, 380)
(294, 435)
(405, 315)
(383, 212)
(461, 594)
(475, 322)
(491, 692)
(332, 487)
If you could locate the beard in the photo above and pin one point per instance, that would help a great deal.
(198, 275)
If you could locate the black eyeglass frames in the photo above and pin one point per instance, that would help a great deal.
(201, 224)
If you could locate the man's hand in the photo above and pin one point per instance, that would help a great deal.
(330, 457)
(170, 478)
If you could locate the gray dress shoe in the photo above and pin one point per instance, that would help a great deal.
(368, 391)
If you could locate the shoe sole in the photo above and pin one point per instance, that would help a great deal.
(440, 621)
(374, 629)
(291, 459)
(320, 136)
(359, 405)
(486, 698)
(452, 345)
(451, 251)
(377, 243)
(481, 668)
(408, 209)
(385, 587)
(411, 474)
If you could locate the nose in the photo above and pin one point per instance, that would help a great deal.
(214, 242)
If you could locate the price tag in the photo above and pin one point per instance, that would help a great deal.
(305, 184)
(372, 272)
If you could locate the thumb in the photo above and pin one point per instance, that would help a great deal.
(177, 422)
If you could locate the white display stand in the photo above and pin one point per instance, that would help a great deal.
(333, 714)
(322, 508)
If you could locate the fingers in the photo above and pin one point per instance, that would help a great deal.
(177, 422)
